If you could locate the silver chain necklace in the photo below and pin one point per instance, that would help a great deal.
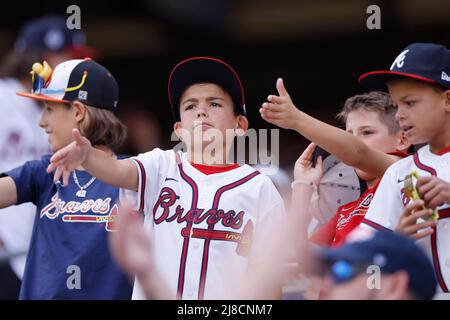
(82, 192)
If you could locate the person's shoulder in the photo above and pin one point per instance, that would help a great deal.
(44, 161)
(10, 85)
(261, 180)
(249, 170)
(39, 165)
(156, 154)
(8, 89)
(33, 168)
(401, 165)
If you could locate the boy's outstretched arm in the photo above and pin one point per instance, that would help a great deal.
(281, 111)
(118, 173)
(8, 192)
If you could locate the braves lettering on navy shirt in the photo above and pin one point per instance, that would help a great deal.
(70, 235)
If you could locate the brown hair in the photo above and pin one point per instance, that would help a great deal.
(103, 128)
(375, 101)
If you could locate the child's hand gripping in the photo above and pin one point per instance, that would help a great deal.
(416, 210)
(411, 190)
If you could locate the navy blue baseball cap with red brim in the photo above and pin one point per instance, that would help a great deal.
(204, 70)
(426, 62)
(390, 252)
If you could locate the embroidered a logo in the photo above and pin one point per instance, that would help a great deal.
(360, 210)
(445, 76)
(367, 200)
(405, 198)
(400, 60)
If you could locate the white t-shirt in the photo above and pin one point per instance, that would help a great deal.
(21, 139)
(387, 207)
(204, 227)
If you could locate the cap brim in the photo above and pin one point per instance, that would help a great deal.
(377, 79)
(347, 253)
(324, 257)
(41, 97)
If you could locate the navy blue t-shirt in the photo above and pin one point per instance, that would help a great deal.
(69, 256)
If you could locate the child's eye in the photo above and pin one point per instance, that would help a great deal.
(215, 105)
(410, 103)
(189, 107)
(366, 133)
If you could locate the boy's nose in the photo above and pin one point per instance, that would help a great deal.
(201, 112)
(399, 115)
(42, 121)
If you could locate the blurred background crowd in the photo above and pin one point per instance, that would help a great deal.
(318, 47)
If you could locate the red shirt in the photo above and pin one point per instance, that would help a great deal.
(347, 217)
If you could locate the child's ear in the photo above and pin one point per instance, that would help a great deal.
(241, 125)
(178, 130)
(397, 286)
(402, 142)
(80, 110)
(447, 100)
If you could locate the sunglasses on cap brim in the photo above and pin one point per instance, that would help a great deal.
(342, 271)
(38, 85)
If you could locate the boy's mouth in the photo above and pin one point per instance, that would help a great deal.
(49, 134)
(407, 129)
(203, 125)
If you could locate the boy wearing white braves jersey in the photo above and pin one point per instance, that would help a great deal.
(206, 220)
(418, 84)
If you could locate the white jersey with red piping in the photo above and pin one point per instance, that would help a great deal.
(389, 201)
(204, 227)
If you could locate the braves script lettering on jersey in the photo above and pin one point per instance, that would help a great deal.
(347, 218)
(68, 231)
(204, 227)
(389, 201)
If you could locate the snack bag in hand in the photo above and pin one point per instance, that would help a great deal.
(410, 190)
